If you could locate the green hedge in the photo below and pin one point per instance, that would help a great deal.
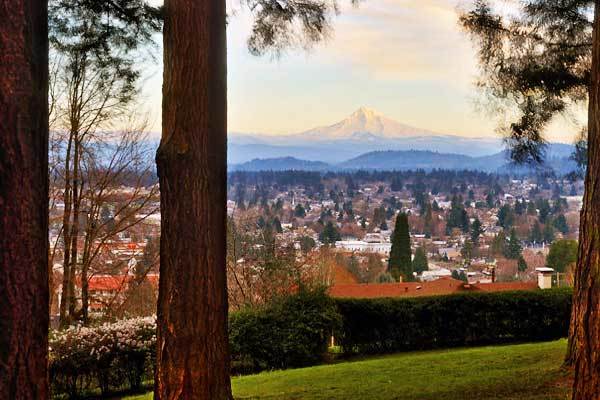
(293, 332)
(388, 325)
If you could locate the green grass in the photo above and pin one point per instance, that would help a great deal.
(525, 371)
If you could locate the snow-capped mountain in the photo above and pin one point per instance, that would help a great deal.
(363, 131)
(365, 124)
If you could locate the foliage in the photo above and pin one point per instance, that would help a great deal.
(110, 356)
(420, 262)
(548, 233)
(307, 243)
(535, 60)
(513, 249)
(400, 264)
(535, 234)
(562, 254)
(560, 223)
(466, 251)
(279, 25)
(291, 332)
(330, 234)
(458, 217)
(386, 277)
(506, 217)
(476, 231)
(459, 276)
(388, 325)
(522, 264)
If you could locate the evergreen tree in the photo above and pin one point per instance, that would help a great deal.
(467, 251)
(396, 184)
(535, 234)
(490, 200)
(522, 264)
(548, 234)
(299, 211)
(428, 222)
(457, 218)
(420, 262)
(330, 234)
(531, 210)
(514, 249)
(476, 231)
(400, 264)
(499, 244)
(544, 210)
(560, 223)
(277, 225)
(506, 217)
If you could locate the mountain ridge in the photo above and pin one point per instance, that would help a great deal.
(411, 160)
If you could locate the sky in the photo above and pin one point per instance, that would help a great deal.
(408, 59)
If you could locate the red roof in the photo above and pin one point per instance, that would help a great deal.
(438, 287)
(108, 282)
(115, 283)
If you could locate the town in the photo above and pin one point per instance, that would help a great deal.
(488, 231)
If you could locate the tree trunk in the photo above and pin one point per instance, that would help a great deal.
(23, 199)
(586, 299)
(192, 353)
(65, 296)
(77, 188)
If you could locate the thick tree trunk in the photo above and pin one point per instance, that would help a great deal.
(192, 354)
(23, 199)
(586, 299)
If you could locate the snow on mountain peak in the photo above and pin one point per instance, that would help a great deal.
(363, 123)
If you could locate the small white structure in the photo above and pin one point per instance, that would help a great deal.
(545, 277)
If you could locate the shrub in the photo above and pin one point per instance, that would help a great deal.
(388, 325)
(111, 356)
(292, 332)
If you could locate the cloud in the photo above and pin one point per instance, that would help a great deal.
(403, 40)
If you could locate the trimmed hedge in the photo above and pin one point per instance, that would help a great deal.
(293, 332)
(389, 325)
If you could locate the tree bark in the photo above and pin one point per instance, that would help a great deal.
(65, 296)
(23, 199)
(192, 353)
(585, 318)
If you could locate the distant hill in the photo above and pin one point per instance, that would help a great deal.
(402, 160)
(557, 160)
(281, 164)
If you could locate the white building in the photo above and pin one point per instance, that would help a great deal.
(364, 246)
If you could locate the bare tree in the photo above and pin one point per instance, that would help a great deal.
(23, 200)
(94, 50)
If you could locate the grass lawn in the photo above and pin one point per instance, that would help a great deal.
(524, 372)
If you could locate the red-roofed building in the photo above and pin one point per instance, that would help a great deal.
(443, 286)
(106, 289)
